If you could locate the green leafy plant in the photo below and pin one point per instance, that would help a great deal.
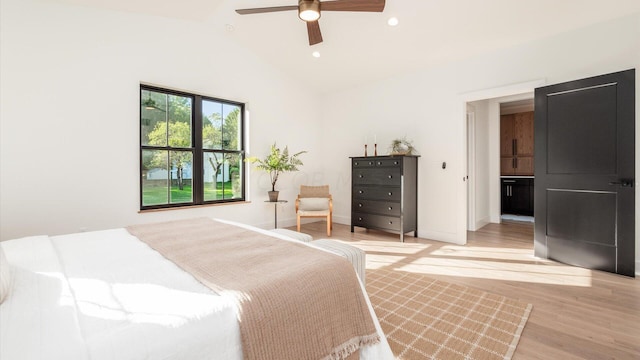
(401, 147)
(277, 162)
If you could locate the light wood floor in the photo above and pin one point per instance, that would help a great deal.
(577, 313)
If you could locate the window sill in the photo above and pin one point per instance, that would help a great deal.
(193, 206)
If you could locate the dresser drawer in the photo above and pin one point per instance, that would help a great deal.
(388, 162)
(363, 192)
(377, 207)
(376, 221)
(360, 163)
(380, 176)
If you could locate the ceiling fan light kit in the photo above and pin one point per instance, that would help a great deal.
(310, 11)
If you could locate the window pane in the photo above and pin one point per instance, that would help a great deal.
(216, 173)
(222, 176)
(236, 175)
(230, 128)
(155, 184)
(153, 122)
(181, 176)
(211, 125)
(179, 118)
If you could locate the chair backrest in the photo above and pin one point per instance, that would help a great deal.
(321, 191)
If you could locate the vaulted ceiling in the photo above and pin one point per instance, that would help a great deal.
(361, 47)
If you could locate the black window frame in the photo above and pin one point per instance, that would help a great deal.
(196, 148)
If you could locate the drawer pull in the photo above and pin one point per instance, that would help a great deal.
(360, 176)
(360, 192)
(356, 163)
(390, 193)
(395, 163)
(390, 222)
(379, 162)
(359, 219)
(390, 208)
(390, 176)
(359, 205)
(370, 162)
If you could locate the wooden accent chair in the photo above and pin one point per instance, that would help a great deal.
(315, 201)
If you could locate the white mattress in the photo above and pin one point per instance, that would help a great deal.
(106, 295)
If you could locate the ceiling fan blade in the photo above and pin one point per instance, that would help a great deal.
(353, 5)
(315, 36)
(266, 10)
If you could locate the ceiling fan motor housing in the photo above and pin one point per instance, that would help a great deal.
(309, 10)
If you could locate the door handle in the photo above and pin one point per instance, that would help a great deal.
(623, 182)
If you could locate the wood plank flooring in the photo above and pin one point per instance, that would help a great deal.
(577, 313)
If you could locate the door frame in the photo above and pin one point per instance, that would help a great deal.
(471, 168)
(464, 98)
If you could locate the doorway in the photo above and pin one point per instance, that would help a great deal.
(483, 185)
(516, 160)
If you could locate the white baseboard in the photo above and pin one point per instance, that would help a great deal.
(440, 236)
(637, 268)
(481, 223)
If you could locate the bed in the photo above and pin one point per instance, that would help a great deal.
(109, 295)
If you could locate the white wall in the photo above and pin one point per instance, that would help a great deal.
(70, 105)
(426, 107)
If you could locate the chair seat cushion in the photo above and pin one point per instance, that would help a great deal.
(313, 212)
(314, 204)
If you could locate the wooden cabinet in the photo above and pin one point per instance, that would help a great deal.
(384, 193)
(516, 144)
(517, 196)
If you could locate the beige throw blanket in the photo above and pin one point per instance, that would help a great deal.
(295, 302)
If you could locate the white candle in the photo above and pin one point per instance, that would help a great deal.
(365, 139)
(375, 139)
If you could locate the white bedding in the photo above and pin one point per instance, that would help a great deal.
(106, 295)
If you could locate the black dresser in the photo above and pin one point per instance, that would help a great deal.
(384, 193)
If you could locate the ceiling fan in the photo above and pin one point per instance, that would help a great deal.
(309, 11)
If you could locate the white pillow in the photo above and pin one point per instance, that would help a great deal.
(5, 276)
(314, 204)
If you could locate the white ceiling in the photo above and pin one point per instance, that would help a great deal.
(361, 47)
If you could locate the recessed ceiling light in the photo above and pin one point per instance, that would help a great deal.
(229, 27)
(316, 54)
(393, 21)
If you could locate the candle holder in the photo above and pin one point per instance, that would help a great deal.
(375, 149)
(365, 150)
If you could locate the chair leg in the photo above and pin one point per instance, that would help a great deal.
(298, 222)
(328, 225)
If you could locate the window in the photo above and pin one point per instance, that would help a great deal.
(191, 149)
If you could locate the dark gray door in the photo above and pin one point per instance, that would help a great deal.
(584, 172)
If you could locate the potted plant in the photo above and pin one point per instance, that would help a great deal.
(402, 147)
(275, 163)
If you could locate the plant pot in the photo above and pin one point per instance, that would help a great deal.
(273, 195)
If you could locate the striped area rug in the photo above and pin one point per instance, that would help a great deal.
(425, 318)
